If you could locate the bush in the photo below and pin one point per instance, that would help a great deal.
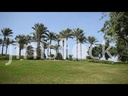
(88, 57)
(124, 58)
(120, 62)
(101, 61)
(51, 57)
(30, 57)
(67, 58)
(59, 56)
(4, 57)
(70, 57)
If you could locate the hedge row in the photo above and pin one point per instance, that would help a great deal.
(105, 61)
(15, 58)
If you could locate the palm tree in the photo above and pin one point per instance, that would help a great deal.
(8, 42)
(92, 40)
(77, 33)
(51, 36)
(82, 39)
(21, 40)
(6, 32)
(67, 33)
(40, 33)
(62, 36)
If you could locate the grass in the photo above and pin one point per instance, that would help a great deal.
(62, 72)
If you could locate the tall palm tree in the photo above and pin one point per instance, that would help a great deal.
(40, 33)
(51, 36)
(92, 40)
(6, 32)
(82, 39)
(8, 42)
(77, 33)
(67, 33)
(21, 40)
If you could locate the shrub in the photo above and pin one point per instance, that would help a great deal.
(30, 57)
(88, 57)
(51, 57)
(101, 61)
(120, 62)
(4, 57)
(70, 57)
(59, 56)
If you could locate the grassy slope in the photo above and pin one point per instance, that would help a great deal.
(62, 72)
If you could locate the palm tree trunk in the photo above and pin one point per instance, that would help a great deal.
(48, 51)
(26, 51)
(50, 47)
(43, 52)
(56, 51)
(3, 47)
(89, 49)
(81, 51)
(58, 46)
(76, 49)
(19, 53)
(37, 49)
(6, 49)
(63, 49)
(66, 48)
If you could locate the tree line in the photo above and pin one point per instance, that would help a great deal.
(42, 35)
(115, 30)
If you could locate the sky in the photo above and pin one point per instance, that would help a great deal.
(22, 23)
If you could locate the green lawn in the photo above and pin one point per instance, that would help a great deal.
(62, 72)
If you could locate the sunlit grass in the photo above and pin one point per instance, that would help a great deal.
(62, 72)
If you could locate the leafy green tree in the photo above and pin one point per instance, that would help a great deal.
(115, 29)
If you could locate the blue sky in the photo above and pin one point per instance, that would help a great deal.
(22, 23)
